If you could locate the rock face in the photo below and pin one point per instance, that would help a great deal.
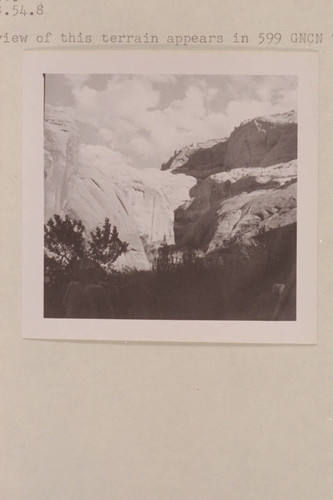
(246, 185)
(262, 142)
(240, 187)
(61, 142)
(140, 203)
(241, 202)
(200, 160)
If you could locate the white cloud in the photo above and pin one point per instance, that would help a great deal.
(107, 134)
(76, 80)
(141, 146)
(102, 156)
(86, 95)
(141, 121)
(126, 98)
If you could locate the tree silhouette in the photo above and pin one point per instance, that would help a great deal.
(105, 245)
(64, 244)
(64, 240)
(163, 262)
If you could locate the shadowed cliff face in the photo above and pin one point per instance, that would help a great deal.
(246, 198)
(243, 202)
(261, 142)
(246, 184)
(199, 161)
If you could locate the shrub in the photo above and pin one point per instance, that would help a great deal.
(64, 240)
(65, 245)
(105, 245)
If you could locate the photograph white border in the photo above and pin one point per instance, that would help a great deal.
(304, 65)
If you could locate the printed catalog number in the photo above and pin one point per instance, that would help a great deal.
(20, 10)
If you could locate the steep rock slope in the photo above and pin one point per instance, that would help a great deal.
(239, 187)
(199, 160)
(261, 142)
(140, 203)
(242, 202)
(246, 184)
(244, 208)
(61, 141)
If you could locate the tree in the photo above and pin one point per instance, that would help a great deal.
(65, 244)
(192, 258)
(163, 262)
(105, 245)
(64, 240)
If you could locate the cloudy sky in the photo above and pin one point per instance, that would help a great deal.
(140, 120)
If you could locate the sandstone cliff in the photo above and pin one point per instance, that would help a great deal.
(61, 142)
(140, 203)
(235, 188)
(242, 202)
(246, 184)
(262, 142)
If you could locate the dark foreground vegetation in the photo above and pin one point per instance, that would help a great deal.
(254, 281)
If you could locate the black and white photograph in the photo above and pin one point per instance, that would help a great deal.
(166, 250)
(170, 196)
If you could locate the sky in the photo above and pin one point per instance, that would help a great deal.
(140, 120)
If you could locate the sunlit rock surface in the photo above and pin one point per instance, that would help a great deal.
(242, 202)
(241, 186)
(261, 142)
(140, 203)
